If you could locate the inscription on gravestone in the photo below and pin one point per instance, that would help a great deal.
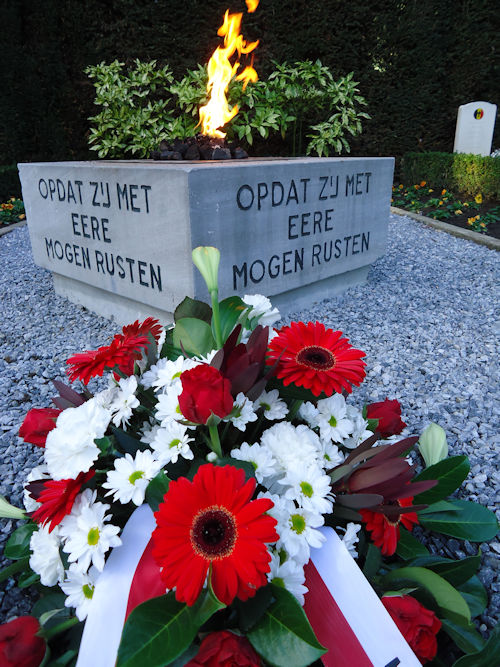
(119, 235)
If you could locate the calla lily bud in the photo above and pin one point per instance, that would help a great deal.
(432, 444)
(8, 511)
(206, 259)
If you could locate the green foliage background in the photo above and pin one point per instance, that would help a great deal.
(416, 61)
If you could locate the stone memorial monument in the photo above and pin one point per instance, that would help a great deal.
(117, 235)
(474, 131)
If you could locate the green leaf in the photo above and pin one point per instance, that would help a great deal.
(18, 544)
(450, 474)
(247, 466)
(469, 521)
(193, 336)
(373, 561)
(104, 444)
(198, 310)
(487, 657)
(46, 605)
(474, 593)
(127, 443)
(451, 604)
(230, 310)
(439, 506)
(456, 572)
(27, 579)
(283, 636)
(250, 611)
(465, 636)
(159, 630)
(156, 490)
(408, 546)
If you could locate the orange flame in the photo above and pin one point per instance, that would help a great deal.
(216, 113)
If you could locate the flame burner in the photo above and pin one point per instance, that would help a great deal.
(200, 147)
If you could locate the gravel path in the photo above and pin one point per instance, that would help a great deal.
(426, 319)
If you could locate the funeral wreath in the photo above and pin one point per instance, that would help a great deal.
(238, 443)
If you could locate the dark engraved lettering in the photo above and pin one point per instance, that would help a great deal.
(155, 277)
(349, 182)
(142, 272)
(347, 239)
(52, 188)
(292, 193)
(119, 264)
(94, 224)
(368, 174)
(328, 215)
(286, 261)
(332, 195)
(275, 185)
(85, 257)
(316, 249)
(84, 226)
(67, 253)
(290, 225)
(237, 273)
(79, 186)
(104, 225)
(43, 187)
(274, 269)
(338, 250)
(74, 220)
(365, 241)
(61, 190)
(99, 261)
(122, 193)
(71, 194)
(146, 189)
(317, 217)
(324, 179)
(241, 205)
(327, 255)
(110, 263)
(130, 263)
(359, 190)
(262, 192)
(355, 240)
(105, 203)
(133, 197)
(305, 181)
(299, 259)
(49, 246)
(304, 223)
(58, 249)
(260, 265)
(95, 185)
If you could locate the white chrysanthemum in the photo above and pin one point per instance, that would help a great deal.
(207, 359)
(86, 532)
(243, 412)
(131, 476)
(45, 559)
(309, 413)
(330, 455)
(70, 447)
(106, 397)
(163, 373)
(125, 401)
(309, 487)
(167, 406)
(262, 309)
(274, 406)
(161, 341)
(360, 431)
(298, 533)
(79, 587)
(351, 538)
(260, 457)
(290, 444)
(290, 575)
(170, 442)
(40, 472)
(332, 419)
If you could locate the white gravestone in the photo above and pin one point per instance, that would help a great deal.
(475, 124)
(117, 235)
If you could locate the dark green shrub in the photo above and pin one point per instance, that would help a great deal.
(10, 185)
(464, 173)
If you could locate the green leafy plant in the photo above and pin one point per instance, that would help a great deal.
(302, 103)
(12, 211)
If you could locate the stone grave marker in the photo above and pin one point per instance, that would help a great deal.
(474, 130)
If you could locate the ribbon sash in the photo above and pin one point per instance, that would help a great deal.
(343, 609)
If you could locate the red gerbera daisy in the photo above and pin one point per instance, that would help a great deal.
(121, 353)
(316, 358)
(150, 325)
(57, 498)
(212, 522)
(385, 532)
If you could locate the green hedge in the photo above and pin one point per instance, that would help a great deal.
(10, 185)
(464, 173)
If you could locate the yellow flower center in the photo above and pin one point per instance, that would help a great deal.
(93, 537)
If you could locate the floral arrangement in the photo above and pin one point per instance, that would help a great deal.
(12, 211)
(244, 442)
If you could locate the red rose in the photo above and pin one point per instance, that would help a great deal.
(225, 649)
(204, 391)
(37, 424)
(19, 644)
(418, 625)
(388, 414)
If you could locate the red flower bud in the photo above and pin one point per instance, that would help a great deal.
(204, 392)
(225, 649)
(37, 424)
(388, 414)
(418, 625)
(19, 644)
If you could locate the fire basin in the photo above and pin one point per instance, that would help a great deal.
(117, 235)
